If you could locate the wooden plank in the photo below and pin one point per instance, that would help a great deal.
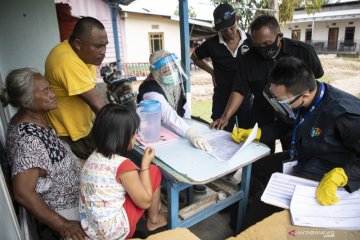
(198, 206)
(223, 185)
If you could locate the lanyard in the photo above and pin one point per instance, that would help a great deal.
(317, 102)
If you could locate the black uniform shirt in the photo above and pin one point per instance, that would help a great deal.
(224, 63)
(255, 69)
(321, 158)
(348, 127)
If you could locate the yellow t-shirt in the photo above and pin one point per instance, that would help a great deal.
(69, 76)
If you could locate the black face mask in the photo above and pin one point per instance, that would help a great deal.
(268, 51)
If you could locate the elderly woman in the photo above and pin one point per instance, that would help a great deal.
(45, 173)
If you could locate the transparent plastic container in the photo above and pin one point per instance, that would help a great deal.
(150, 120)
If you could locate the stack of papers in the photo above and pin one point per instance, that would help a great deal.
(298, 195)
(306, 211)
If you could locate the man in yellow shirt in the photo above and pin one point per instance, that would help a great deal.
(70, 69)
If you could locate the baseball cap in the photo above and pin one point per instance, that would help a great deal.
(224, 17)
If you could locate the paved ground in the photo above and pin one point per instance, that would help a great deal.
(341, 73)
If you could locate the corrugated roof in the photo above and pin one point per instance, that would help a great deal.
(328, 15)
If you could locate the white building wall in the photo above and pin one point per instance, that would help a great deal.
(321, 32)
(287, 30)
(137, 29)
(321, 29)
(345, 23)
(357, 30)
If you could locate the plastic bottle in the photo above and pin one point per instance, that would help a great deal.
(150, 120)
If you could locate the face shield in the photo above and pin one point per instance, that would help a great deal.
(168, 70)
(283, 107)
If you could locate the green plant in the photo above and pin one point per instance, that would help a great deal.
(201, 108)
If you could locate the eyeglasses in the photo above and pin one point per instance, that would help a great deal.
(288, 101)
(227, 16)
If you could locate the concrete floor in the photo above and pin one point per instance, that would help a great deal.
(216, 227)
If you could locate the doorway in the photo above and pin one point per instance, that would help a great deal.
(333, 38)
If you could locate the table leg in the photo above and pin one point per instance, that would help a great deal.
(173, 205)
(240, 208)
(189, 195)
(173, 190)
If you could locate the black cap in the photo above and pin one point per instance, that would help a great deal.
(224, 17)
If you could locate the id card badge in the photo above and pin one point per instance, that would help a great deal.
(288, 166)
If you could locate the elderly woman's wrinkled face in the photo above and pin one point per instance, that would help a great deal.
(44, 97)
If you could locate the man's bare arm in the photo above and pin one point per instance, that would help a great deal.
(93, 99)
(204, 66)
(234, 102)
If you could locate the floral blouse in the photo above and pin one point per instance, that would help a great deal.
(31, 146)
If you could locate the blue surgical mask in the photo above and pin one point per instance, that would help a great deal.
(172, 79)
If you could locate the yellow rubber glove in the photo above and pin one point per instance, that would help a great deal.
(241, 134)
(326, 191)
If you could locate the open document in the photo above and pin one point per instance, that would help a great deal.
(224, 148)
(280, 189)
(306, 211)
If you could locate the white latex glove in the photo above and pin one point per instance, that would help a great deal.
(198, 141)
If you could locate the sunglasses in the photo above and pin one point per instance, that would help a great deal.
(227, 16)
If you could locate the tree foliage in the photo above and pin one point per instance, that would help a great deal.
(191, 11)
(287, 8)
(247, 10)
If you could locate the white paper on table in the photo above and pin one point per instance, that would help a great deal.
(250, 138)
(222, 144)
(224, 148)
(236, 178)
(306, 211)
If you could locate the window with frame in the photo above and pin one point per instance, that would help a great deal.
(156, 41)
(295, 34)
(349, 36)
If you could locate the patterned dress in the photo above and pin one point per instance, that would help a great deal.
(31, 146)
(102, 197)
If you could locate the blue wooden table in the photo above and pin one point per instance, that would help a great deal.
(198, 167)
